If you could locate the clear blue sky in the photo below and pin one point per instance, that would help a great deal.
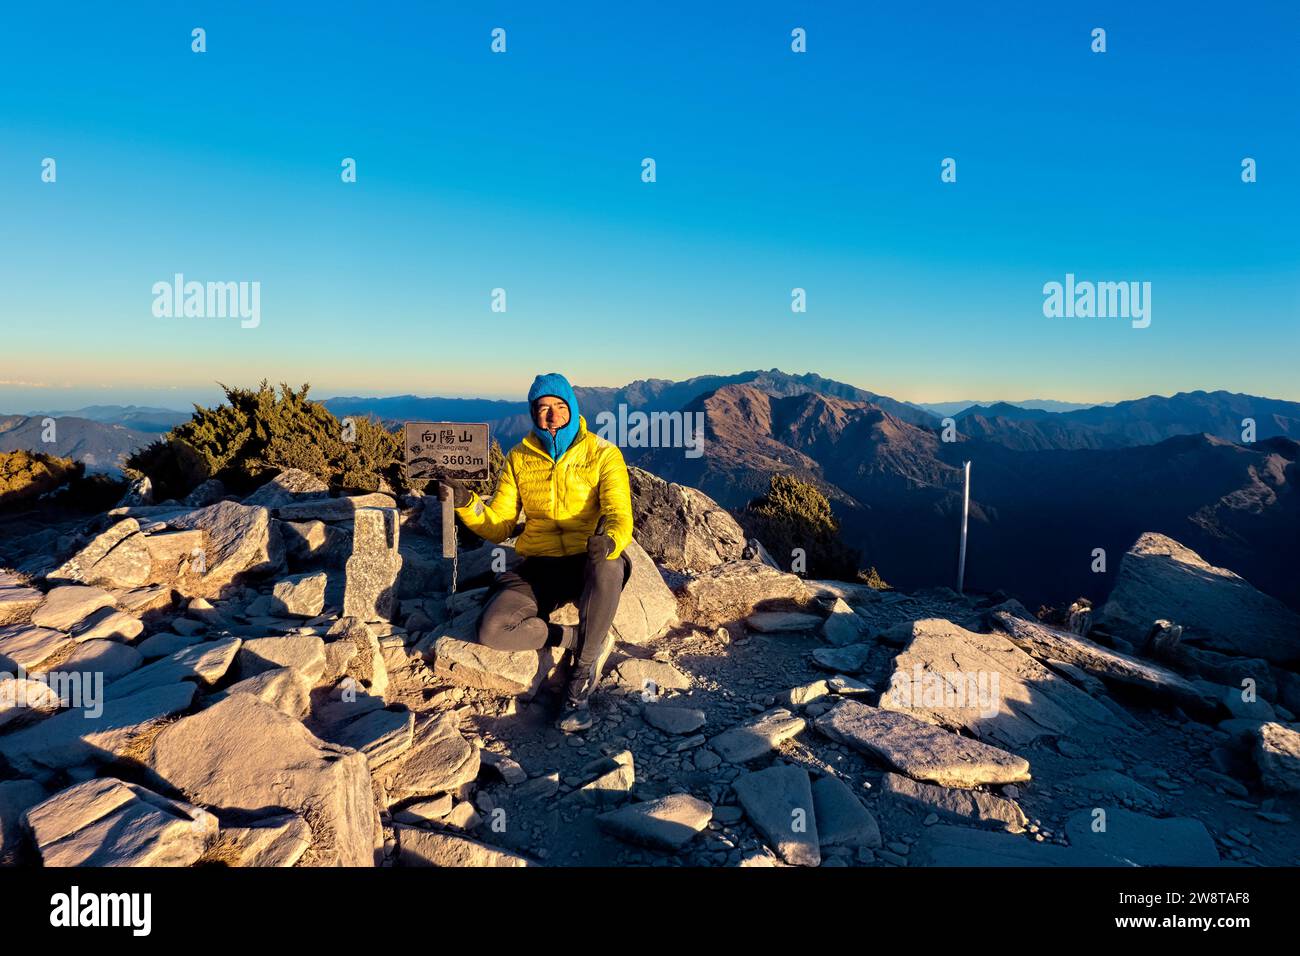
(522, 171)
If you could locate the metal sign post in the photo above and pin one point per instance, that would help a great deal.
(450, 449)
(965, 511)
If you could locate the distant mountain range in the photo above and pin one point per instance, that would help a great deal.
(102, 447)
(943, 409)
(139, 417)
(1036, 515)
(1050, 482)
(510, 421)
(1141, 421)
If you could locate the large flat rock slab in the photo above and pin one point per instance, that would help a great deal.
(842, 819)
(985, 684)
(205, 663)
(944, 845)
(108, 624)
(964, 806)
(779, 802)
(416, 847)
(469, 664)
(1219, 610)
(29, 646)
(668, 823)
(108, 822)
(1049, 643)
(79, 735)
(69, 605)
(1142, 840)
(758, 736)
(920, 749)
(101, 660)
(244, 755)
(782, 622)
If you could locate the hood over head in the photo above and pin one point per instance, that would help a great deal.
(553, 383)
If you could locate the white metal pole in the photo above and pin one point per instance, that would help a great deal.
(965, 512)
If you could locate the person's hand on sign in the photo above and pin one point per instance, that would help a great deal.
(460, 494)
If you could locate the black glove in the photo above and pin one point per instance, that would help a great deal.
(600, 547)
(460, 495)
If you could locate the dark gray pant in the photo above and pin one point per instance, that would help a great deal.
(520, 601)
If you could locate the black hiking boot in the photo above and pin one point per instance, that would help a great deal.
(576, 715)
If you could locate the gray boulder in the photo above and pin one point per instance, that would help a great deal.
(288, 486)
(246, 756)
(300, 595)
(241, 541)
(518, 673)
(115, 558)
(682, 528)
(1219, 610)
(736, 589)
(1046, 643)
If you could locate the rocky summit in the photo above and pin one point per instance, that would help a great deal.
(286, 680)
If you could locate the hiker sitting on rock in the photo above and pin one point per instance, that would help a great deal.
(573, 486)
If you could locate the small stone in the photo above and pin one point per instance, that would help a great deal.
(848, 659)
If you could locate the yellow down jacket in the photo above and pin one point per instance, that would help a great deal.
(563, 499)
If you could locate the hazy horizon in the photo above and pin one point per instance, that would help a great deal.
(73, 398)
